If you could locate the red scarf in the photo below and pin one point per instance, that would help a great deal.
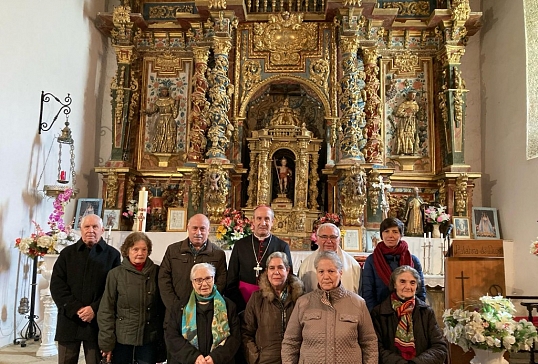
(138, 266)
(380, 263)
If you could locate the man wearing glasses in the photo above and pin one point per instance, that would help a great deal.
(329, 240)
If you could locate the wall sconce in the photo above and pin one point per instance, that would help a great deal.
(65, 138)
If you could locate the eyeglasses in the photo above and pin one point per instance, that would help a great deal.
(329, 237)
(199, 281)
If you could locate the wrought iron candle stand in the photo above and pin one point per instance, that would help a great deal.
(31, 330)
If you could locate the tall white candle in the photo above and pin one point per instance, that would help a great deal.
(142, 206)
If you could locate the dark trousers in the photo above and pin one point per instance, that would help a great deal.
(129, 354)
(69, 351)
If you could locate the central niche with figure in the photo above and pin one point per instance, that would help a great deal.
(283, 186)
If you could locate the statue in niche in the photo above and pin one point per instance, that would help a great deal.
(406, 135)
(165, 128)
(413, 215)
(284, 174)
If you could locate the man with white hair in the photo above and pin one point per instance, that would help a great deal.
(329, 240)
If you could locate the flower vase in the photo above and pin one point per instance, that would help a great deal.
(436, 233)
(488, 357)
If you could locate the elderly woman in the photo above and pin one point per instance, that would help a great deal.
(268, 311)
(207, 329)
(131, 312)
(406, 326)
(389, 254)
(330, 324)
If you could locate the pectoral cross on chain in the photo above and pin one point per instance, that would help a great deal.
(257, 268)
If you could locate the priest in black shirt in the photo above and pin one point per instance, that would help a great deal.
(249, 255)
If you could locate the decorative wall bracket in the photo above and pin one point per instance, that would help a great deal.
(46, 97)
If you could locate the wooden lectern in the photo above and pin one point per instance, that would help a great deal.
(474, 268)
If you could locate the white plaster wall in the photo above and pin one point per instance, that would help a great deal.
(509, 180)
(52, 46)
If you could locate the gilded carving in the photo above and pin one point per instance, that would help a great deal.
(373, 190)
(112, 190)
(195, 189)
(460, 10)
(461, 195)
(441, 185)
(357, 3)
(168, 64)
(130, 187)
(373, 150)
(123, 32)
(198, 118)
(319, 73)
(415, 8)
(167, 11)
(263, 183)
(353, 195)
(313, 182)
(251, 76)
(216, 187)
(406, 62)
(285, 36)
(217, 4)
(301, 197)
(252, 180)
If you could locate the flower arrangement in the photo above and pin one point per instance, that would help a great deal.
(233, 226)
(534, 247)
(328, 217)
(436, 215)
(489, 326)
(130, 214)
(59, 236)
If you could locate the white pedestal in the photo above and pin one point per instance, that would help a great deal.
(50, 312)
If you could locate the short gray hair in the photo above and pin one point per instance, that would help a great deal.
(329, 255)
(93, 215)
(280, 255)
(326, 224)
(200, 266)
(402, 269)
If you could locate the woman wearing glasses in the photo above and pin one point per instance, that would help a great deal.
(207, 329)
(131, 312)
(269, 310)
(389, 254)
(330, 324)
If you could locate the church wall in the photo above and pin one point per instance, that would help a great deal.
(508, 181)
(51, 46)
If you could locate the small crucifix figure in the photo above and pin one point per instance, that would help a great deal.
(257, 268)
(462, 277)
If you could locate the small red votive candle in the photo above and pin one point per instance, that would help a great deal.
(62, 175)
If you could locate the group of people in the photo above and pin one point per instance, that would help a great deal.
(194, 308)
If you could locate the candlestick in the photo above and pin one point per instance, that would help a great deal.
(142, 208)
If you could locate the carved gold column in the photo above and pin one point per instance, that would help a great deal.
(124, 87)
(217, 187)
(301, 187)
(313, 182)
(199, 106)
(373, 108)
(195, 189)
(263, 183)
(220, 88)
(112, 186)
(461, 195)
(351, 101)
(353, 195)
(252, 179)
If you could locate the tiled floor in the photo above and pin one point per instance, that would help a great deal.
(15, 354)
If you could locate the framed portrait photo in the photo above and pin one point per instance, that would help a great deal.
(111, 219)
(485, 224)
(177, 219)
(371, 238)
(352, 239)
(87, 206)
(461, 229)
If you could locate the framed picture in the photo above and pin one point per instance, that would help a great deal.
(371, 238)
(352, 240)
(111, 219)
(485, 225)
(461, 227)
(177, 219)
(87, 206)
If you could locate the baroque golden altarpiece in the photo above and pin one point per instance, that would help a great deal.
(308, 106)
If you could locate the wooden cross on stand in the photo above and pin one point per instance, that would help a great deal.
(462, 277)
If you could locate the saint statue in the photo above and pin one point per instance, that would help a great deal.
(406, 135)
(413, 215)
(165, 128)
(284, 175)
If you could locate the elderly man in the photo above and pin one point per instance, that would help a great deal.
(249, 257)
(329, 239)
(77, 284)
(180, 257)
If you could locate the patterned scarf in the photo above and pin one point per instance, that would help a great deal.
(404, 339)
(380, 263)
(220, 329)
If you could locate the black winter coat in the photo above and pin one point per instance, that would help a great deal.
(78, 280)
(430, 344)
(184, 353)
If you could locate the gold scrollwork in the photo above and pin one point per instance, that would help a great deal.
(217, 4)
(415, 8)
(373, 190)
(168, 64)
(216, 186)
(319, 73)
(353, 195)
(285, 37)
(195, 189)
(461, 194)
(460, 10)
(357, 3)
(166, 11)
(441, 187)
(111, 190)
(251, 76)
(407, 62)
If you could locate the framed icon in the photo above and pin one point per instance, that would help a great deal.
(461, 228)
(111, 219)
(87, 206)
(485, 224)
(177, 219)
(352, 239)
